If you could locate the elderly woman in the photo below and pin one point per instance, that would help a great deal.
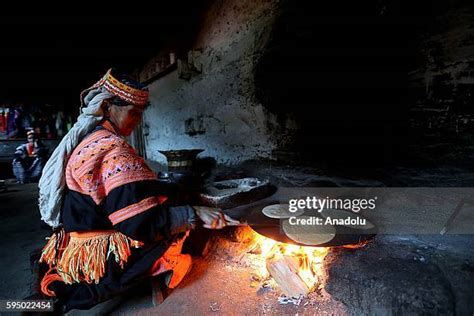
(114, 226)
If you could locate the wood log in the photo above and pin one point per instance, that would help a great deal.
(284, 270)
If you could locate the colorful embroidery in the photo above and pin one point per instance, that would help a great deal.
(102, 162)
(110, 83)
(135, 209)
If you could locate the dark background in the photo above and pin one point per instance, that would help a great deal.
(50, 59)
(352, 58)
(341, 70)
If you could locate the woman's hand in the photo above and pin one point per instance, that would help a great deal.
(213, 218)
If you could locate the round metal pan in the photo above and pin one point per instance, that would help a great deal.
(271, 228)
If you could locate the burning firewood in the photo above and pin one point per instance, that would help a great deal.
(284, 270)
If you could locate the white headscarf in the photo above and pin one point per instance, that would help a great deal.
(53, 179)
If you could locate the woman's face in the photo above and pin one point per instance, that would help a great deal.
(125, 118)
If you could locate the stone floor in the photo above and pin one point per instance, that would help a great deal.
(409, 274)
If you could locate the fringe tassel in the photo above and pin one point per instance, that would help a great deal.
(49, 278)
(84, 258)
(49, 253)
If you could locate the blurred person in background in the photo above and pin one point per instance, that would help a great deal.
(29, 159)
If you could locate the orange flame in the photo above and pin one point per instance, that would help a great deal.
(311, 259)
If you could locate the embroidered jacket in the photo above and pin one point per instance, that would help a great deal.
(111, 187)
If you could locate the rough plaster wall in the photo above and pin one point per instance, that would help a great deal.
(217, 109)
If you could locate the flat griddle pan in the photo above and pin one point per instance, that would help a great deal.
(271, 228)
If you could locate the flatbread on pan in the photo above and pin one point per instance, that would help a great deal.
(310, 234)
(342, 215)
(280, 211)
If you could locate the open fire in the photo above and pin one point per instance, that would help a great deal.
(297, 270)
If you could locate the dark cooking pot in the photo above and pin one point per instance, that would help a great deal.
(179, 160)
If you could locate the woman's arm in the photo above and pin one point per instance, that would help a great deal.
(139, 211)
